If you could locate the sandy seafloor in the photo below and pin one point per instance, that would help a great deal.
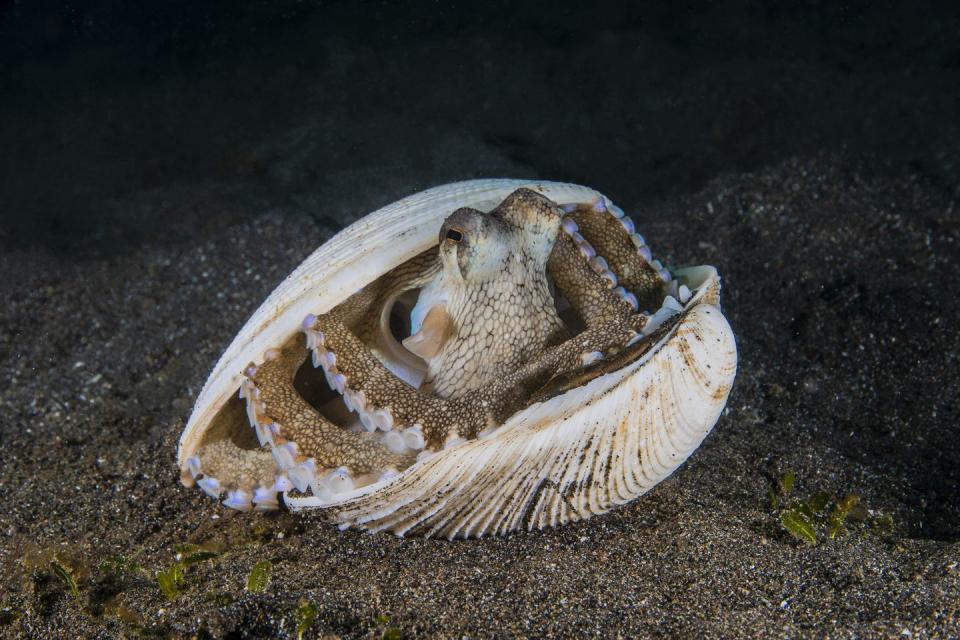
(837, 284)
(148, 210)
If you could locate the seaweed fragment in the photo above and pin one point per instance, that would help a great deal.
(382, 621)
(840, 513)
(171, 581)
(306, 616)
(798, 525)
(193, 557)
(259, 576)
(782, 490)
(65, 575)
(821, 515)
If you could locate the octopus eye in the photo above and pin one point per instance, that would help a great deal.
(454, 234)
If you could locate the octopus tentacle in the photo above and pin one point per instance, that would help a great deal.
(285, 418)
(368, 312)
(621, 250)
(378, 395)
(591, 293)
(248, 476)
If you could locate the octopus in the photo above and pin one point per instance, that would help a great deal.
(527, 302)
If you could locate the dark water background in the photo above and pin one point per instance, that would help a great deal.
(122, 122)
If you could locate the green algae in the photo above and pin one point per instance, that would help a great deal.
(259, 576)
(821, 516)
(306, 616)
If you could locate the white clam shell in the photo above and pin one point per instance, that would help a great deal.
(556, 461)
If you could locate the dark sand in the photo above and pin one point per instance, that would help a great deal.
(162, 172)
(837, 281)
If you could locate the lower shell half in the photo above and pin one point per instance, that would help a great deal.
(580, 442)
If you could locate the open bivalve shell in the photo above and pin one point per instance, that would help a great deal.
(586, 440)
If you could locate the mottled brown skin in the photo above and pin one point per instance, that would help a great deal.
(315, 436)
(589, 294)
(382, 389)
(240, 468)
(507, 344)
(611, 241)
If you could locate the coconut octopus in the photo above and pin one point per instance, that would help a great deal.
(528, 365)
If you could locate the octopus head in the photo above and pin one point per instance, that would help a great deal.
(478, 247)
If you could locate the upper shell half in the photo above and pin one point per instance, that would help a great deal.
(592, 442)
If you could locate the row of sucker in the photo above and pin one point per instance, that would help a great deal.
(638, 275)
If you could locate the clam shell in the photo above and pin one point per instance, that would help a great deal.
(575, 455)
